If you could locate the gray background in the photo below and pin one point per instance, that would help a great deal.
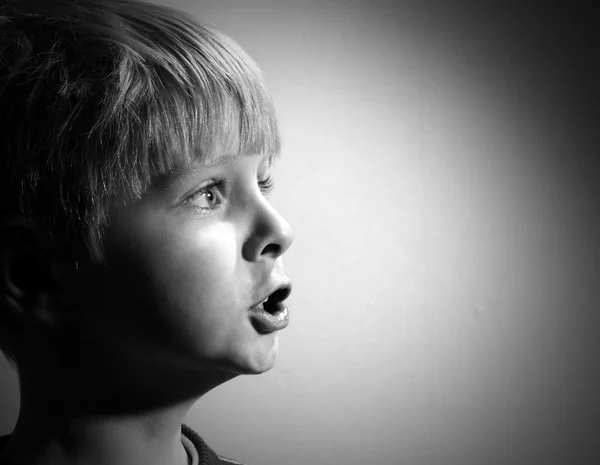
(440, 171)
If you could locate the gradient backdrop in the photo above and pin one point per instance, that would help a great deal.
(440, 171)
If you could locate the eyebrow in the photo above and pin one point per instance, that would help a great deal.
(222, 160)
(182, 175)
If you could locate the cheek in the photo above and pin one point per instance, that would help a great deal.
(193, 277)
(203, 263)
(176, 286)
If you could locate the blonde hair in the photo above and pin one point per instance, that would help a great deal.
(100, 98)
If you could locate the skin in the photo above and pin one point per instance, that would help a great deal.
(163, 322)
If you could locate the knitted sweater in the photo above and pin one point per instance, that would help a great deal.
(198, 452)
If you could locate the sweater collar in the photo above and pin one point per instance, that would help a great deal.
(198, 451)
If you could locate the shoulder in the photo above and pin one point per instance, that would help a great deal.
(205, 454)
(227, 461)
(5, 460)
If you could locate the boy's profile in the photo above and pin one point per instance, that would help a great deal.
(140, 262)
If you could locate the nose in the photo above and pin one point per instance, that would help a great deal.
(271, 235)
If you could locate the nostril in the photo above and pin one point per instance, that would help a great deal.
(272, 249)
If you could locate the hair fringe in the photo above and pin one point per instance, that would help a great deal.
(97, 100)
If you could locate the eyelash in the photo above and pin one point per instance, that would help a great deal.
(266, 185)
(220, 185)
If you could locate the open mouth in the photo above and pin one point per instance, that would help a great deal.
(274, 302)
(272, 314)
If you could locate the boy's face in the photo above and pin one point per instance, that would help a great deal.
(185, 265)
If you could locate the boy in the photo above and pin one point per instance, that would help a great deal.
(140, 261)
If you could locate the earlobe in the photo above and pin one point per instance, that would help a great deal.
(13, 295)
(24, 301)
(9, 288)
(31, 282)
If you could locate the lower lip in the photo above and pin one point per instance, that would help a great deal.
(265, 322)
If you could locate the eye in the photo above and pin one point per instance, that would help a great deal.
(208, 197)
(266, 185)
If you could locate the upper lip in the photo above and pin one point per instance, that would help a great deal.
(277, 294)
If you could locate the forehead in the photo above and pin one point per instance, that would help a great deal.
(227, 148)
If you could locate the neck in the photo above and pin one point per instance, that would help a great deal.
(101, 417)
(151, 438)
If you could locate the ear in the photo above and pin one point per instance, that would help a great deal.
(34, 278)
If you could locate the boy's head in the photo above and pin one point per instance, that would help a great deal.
(135, 146)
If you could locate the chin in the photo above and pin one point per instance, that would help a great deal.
(263, 357)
